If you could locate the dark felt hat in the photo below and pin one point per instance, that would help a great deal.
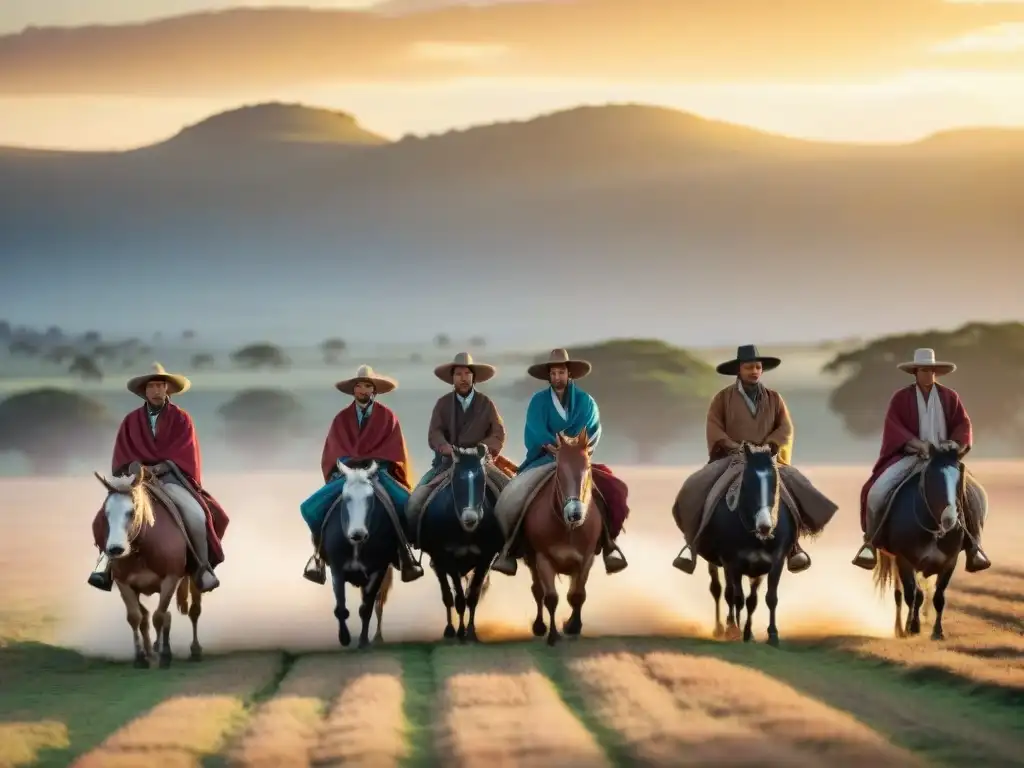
(747, 354)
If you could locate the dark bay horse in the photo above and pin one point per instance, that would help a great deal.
(461, 534)
(360, 545)
(751, 541)
(923, 534)
(149, 554)
(562, 528)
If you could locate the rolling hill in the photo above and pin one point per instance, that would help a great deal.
(287, 194)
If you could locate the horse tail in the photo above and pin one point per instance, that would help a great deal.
(884, 572)
(183, 590)
(927, 586)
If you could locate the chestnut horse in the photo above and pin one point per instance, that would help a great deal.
(149, 554)
(562, 527)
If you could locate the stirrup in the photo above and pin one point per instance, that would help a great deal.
(505, 565)
(866, 557)
(685, 561)
(614, 561)
(315, 571)
(977, 561)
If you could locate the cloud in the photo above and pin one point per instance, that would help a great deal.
(657, 40)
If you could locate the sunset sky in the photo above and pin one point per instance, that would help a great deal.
(888, 71)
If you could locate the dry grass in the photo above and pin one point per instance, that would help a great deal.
(497, 709)
(20, 742)
(185, 728)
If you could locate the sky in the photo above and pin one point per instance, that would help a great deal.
(905, 79)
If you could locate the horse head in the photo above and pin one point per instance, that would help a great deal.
(942, 485)
(759, 490)
(127, 508)
(357, 497)
(572, 478)
(468, 485)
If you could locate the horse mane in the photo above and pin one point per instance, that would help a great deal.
(141, 501)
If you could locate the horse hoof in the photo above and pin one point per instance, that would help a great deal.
(344, 637)
(719, 632)
(378, 639)
(732, 633)
(196, 654)
(938, 634)
(364, 643)
(471, 636)
(141, 662)
(449, 632)
(748, 636)
(773, 640)
(461, 634)
(554, 638)
(539, 629)
(165, 661)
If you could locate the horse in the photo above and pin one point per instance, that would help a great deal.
(562, 528)
(923, 534)
(149, 554)
(360, 546)
(461, 534)
(753, 540)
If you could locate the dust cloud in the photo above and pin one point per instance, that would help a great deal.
(264, 603)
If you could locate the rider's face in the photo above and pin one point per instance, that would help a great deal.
(558, 375)
(750, 373)
(925, 377)
(362, 391)
(462, 380)
(156, 393)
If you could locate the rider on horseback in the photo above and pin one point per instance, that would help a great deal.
(161, 436)
(366, 431)
(462, 418)
(563, 407)
(749, 412)
(921, 415)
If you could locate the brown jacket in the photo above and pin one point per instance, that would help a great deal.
(480, 423)
(729, 417)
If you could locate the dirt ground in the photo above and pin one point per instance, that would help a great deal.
(646, 686)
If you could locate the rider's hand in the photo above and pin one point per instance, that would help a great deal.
(949, 444)
(445, 450)
(920, 447)
(552, 449)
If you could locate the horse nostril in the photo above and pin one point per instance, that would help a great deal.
(764, 530)
(115, 551)
(357, 535)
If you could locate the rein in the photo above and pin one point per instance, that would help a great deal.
(938, 533)
(561, 499)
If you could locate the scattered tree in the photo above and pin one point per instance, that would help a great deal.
(261, 422)
(54, 334)
(261, 355)
(5, 330)
(60, 354)
(23, 348)
(333, 349)
(188, 335)
(478, 342)
(51, 426)
(442, 341)
(989, 377)
(91, 337)
(85, 368)
(203, 360)
(647, 390)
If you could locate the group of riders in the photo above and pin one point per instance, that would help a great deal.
(160, 437)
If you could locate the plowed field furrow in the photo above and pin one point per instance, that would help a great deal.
(497, 709)
(185, 728)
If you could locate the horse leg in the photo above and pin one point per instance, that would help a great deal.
(732, 620)
(195, 610)
(370, 592)
(577, 596)
(340, 611)
(460, 604)
(162, 618)
(734, 580)
(755, 586)
(546, 574)
(473, 599)
(939, 599)
(382, 597)
(716, 594)
(539, 627)
(144, 628)
(898, 630)
(771, 599)
(910, 590)
(446, 597)
(133, 614)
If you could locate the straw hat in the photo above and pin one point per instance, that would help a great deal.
(176, 383)
(747, 354)
(925, 358)
(383, 384)
(481, 371)
(577, 368)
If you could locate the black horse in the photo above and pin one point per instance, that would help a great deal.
(360, 546)
(923, 534)
(751, 541)
(461, 534)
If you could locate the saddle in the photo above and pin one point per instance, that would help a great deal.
(155, 488)
(441, 481)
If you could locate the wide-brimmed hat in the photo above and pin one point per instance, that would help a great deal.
(925, 358)
(747, 354)
(481, 371)
(577, 368)
(383, 384)
(176, 383)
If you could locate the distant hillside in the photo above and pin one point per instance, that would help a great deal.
(653, 216)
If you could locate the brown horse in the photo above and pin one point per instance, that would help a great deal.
(149, 554)
(562, 528)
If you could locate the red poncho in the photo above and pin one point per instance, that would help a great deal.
(380, 439)
(902, 425)
(175, 441)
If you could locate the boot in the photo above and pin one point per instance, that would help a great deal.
(411, 570)
(866, 558)
(798, 559)
(685, 561)
(315, 570)
(206, 579)
(614, 560)
(976, 559)
(505, 563)
(100, 577)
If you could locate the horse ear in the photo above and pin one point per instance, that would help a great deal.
(583, 437)
(374, 466)
(345, 471)
(103, 482)
(560, 438)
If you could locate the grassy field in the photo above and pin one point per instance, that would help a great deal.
(644, 687)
